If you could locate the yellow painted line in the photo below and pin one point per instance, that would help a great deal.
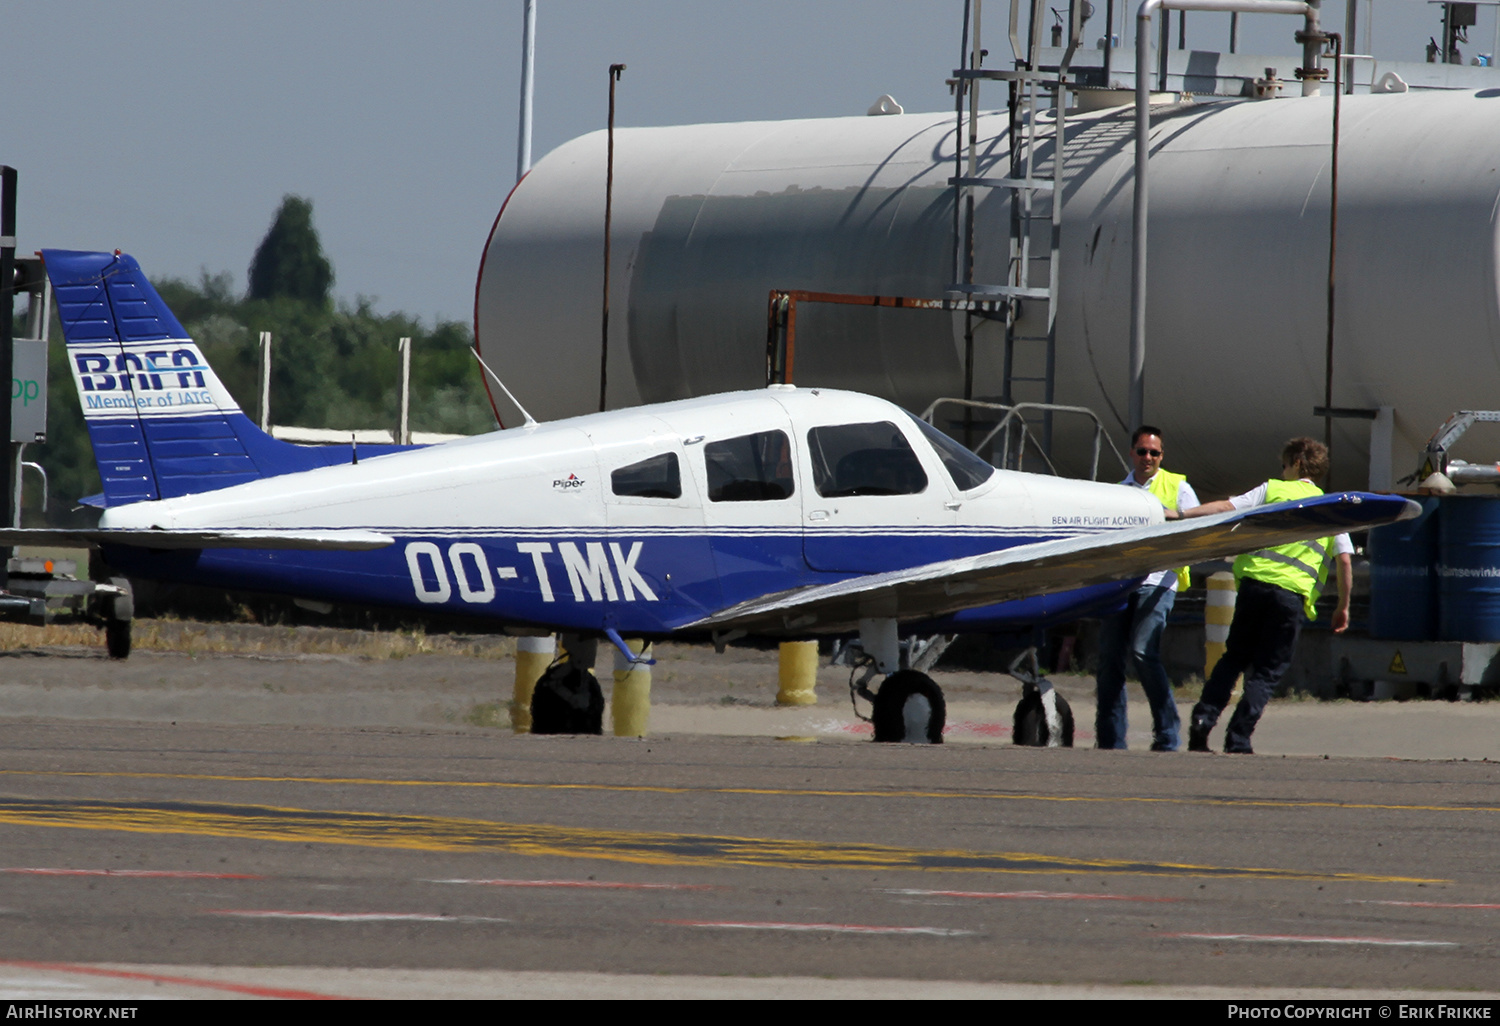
(453, 834)
(1273, 803)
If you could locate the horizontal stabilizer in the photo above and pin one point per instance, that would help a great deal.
(1044, 568)
(226, 538)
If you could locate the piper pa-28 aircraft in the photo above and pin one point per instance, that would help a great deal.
(789, 512)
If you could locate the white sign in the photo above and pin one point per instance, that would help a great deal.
(28, 392)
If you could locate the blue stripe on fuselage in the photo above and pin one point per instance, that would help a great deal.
(643, 582)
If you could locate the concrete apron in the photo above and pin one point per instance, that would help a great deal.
(413, 694)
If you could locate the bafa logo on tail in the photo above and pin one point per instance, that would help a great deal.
(167, 377)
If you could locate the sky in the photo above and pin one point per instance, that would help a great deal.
(171, 129)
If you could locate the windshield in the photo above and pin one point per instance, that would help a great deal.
(967, 470)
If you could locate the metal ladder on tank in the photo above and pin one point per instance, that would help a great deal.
(1035, 187)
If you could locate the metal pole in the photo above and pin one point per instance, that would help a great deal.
(1234, 32)
(976, 57)
(1109, 37)
(1494, 46)
(7, 339)
(265, 381)
(974, 60)
(1161, 54)
(960, 90)
(15, 520)
(609, 199)
(1350, 10)
(403, 428)
(528, 58)
(1333, 234)
(1312, 39)
(1137, 408)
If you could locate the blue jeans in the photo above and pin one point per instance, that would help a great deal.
(1135, 633)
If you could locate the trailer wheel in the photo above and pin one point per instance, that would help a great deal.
(117, 621)
(117, 638)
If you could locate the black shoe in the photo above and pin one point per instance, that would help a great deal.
(1198, 738)
(1247, 750)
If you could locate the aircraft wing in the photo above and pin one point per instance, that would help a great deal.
(1041, 568)
(224, 538)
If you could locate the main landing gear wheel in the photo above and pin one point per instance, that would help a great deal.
(567, 700)
(909, 707)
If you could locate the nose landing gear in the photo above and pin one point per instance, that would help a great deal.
(1043, 718)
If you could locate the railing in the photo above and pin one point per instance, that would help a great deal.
(1015, 434)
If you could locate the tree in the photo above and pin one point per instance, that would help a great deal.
(289, 264)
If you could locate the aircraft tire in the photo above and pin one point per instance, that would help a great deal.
(899, 713)
(1029, 726)
(567, 700)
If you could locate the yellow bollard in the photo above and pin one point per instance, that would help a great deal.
(797, 673)
(533, 656)
(630, 701)
(1218, 612)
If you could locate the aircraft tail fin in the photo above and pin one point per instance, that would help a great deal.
(161, 422)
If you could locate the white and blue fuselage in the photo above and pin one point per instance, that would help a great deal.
(575, 525)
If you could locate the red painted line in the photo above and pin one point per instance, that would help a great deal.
(1028, 895)
(182, 981)
(979, 727)
(1275, 938)
(982, 729)
(352, 917)
(171, 874)
(1429, 904)
(601, 885)
(935, 931)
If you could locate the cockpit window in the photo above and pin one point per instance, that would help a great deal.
(966, 469)
(750, 468)
(654, 478)
(864, 459)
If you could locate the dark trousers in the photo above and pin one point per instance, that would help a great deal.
(1262, 637)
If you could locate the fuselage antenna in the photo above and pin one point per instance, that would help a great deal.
(530, 420)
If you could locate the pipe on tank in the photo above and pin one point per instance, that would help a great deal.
(528, 84)
(1309, 11)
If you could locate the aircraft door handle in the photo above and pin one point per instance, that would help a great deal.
(818, 514)
(952, 505)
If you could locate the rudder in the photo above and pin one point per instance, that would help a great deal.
(161, 422)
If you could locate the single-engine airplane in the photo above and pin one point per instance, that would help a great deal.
(789, 512)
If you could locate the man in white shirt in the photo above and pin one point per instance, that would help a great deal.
(1134, 634)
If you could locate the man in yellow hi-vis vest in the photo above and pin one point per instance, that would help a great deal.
(1277, 587)
(1134, 633)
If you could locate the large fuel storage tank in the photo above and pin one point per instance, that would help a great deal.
(708, 218)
